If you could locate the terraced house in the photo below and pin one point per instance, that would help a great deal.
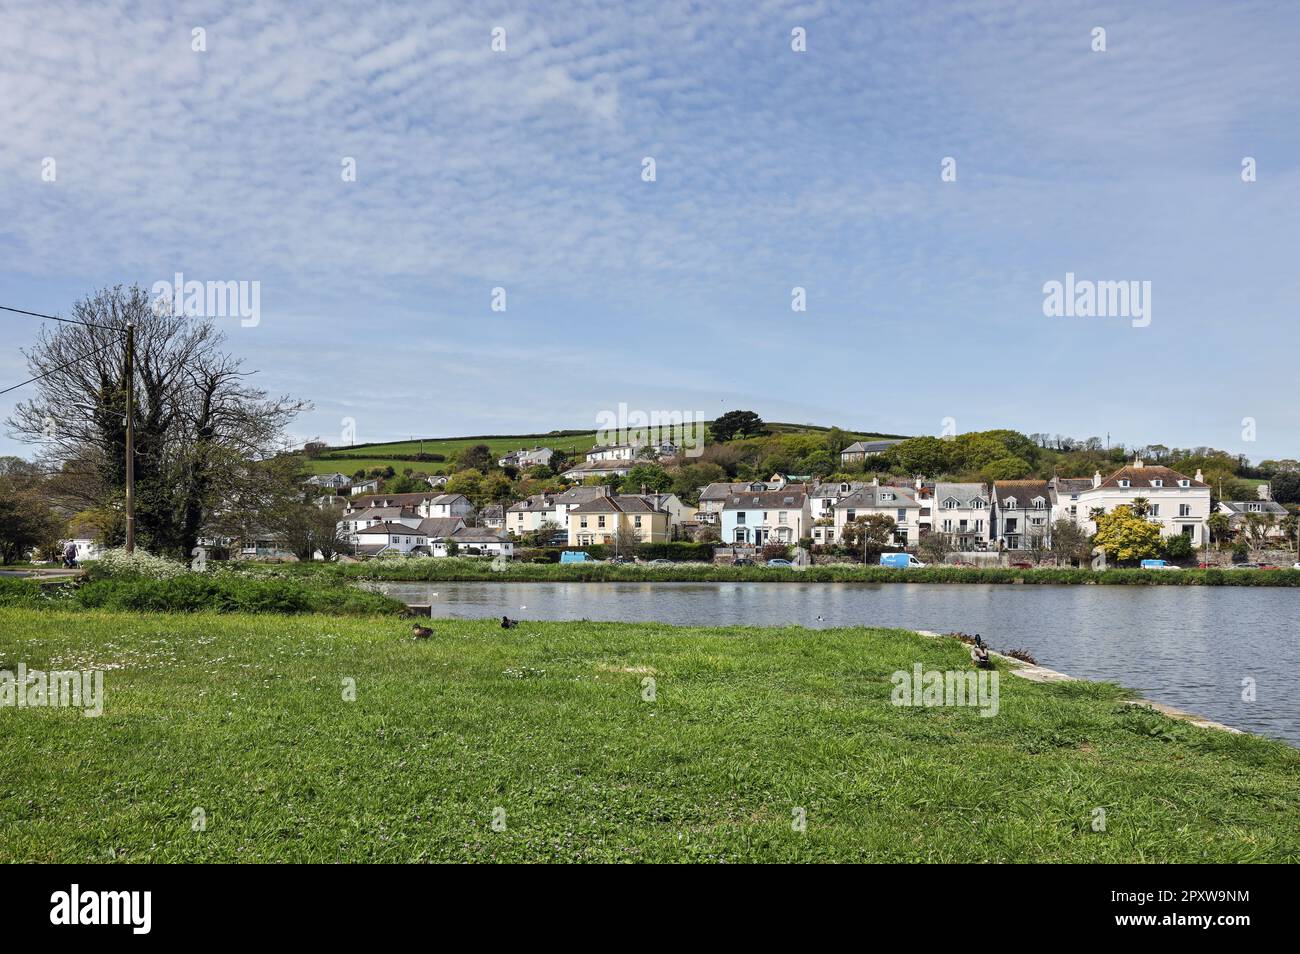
(964, 512)
(1022, 514)
(602, 519)
(757, 517)
(900, 504)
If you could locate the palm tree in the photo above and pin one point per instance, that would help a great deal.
(1140, 507)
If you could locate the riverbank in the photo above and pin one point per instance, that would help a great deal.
(744, 737)
(462, 569)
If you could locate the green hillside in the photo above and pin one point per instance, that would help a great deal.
(401, 454)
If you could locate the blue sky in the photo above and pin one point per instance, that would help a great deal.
(522, 169)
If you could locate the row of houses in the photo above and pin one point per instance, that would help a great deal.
(1011, 514)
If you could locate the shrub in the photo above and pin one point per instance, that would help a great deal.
(228, 593)
(118, 563)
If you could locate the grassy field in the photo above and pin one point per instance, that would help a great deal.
(547, 726)
(348, 459)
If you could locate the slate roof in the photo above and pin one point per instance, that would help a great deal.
(1142, 477)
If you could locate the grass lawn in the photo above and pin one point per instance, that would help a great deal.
(347, 460)
(243, 716)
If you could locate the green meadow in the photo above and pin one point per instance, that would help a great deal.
(320, 738)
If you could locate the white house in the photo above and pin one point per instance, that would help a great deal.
(333, 481)
(1239, 511)
(900, 504)
(821, 506)
(612, 452)
(758, 517)
(604, 467)
(351, 524)
(1179, 504)
(525, 459)
(858, 451)
(385, 538)
(477, 539)
(1065, 497)
(365, 487)
(963, 511)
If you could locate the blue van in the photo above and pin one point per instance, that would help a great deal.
(575, 556)
(900, 561)
(1157, 565)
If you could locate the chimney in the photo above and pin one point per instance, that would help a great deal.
(1199, 476)
(1096, 478)
(918, 483)
(1263, 491)
(1138, 463)
(875, 481)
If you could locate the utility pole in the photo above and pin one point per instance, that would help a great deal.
(130, 437)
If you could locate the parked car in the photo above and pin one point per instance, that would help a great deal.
(660, 562)
(779, 562)
(742, 561)
(1022, 565)
(575, 556)
(1157, 565)
(621, 559)
(899, 561)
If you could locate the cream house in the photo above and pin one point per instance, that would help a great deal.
(1179, 504)
(599, 521)
(821, 507)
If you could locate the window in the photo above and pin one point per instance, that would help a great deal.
(950, 504)
(740, 516)
(1124, 483)
(1039, 503)
(947, 526)
(600, 521)
(1154, 510)
(849, 515)
(1184, 482)
(781, 517)
(1012, 526)
(1255, 508)
(1184, 510)
(1189, 530)
(584, 523)
(976, 503)
(636, 522)
(902, 516)
(1157, 483)
(1009, 503)
(886, 496)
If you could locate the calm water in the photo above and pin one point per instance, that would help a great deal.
(1189, 646)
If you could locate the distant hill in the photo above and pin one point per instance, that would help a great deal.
(401, 454)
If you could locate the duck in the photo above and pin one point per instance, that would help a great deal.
(508, 623)
(420, 632)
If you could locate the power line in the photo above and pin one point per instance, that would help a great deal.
(61, 367)
(69, 321)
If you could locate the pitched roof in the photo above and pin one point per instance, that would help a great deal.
(1260, 506)
(387, 528)
(872, 496)
(588, 466)
(831, 488)
(440, 526)
(1024, 491)
(387, 500)
(534, 504)
(480, 534)
(870, 447)
(784, 499)
(380, 513)
(962, 493)
(1142, 477)
(621, 503)
(1071, 485)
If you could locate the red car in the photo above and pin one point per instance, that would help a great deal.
(1023, 566)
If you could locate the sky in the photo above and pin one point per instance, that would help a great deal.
(775, 168)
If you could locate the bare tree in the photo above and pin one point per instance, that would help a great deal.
(198, 420)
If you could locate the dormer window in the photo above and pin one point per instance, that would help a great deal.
(1124, 483)
(1255, 508)
(1009, 503)
(886, 496)
(1184, 482)
(1157, 483)
(1039, 503)
(977, 502)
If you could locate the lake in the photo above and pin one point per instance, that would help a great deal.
(1188, 646)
